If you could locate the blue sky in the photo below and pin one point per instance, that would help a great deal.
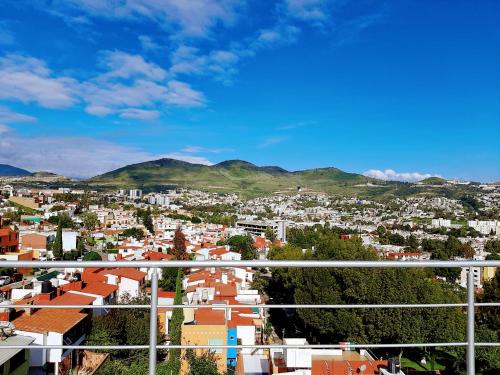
(394, 89)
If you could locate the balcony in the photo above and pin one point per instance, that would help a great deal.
(470, 306)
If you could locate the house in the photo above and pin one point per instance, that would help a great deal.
(15, 361)
(130, 281)
(9, 240)
(209, 328)
(55, 327)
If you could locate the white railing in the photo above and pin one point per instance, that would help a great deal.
(153, 345)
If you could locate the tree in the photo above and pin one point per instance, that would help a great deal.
(412, 242)
(356, 286)
(176, 326)
(168, 278)
(146, 218)
(90, 220)
(57, 246)
(195, 220)
(270, 235)
(179, 249)
(137, 233)
(92, 255)
(243, 245)
(203, 364)
(62, 219)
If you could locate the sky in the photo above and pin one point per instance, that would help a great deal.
(398, 90)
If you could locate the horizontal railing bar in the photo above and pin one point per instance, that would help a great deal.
(254, 263)
(278, 346)
(241, 306)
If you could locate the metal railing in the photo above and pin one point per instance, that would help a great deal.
(153, 344)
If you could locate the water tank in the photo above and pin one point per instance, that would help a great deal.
(77, 276)
(5, 309)
(46, 286)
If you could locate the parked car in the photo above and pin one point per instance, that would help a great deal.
(4, 280)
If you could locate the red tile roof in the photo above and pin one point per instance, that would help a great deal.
(129, 273)
(100, 289)
(53, 320)
(209, 317)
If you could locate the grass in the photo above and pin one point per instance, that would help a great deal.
(429, 366)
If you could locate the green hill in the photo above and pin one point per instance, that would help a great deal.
(230, 176)
(433, 181)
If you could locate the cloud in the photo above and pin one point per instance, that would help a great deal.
(139, 114)
(194, 18)
(313, 11)
(188, 158)
(188, 60)
(298, 125)
(198, 149)
(28, 79)
(7, 116)
(391, 175)
(124, 65)
(270, 141)
(181, 94)
(147, 43)
(64, 155)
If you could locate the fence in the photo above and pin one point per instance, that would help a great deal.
(153, 345)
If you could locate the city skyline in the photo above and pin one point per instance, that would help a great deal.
(395, 91)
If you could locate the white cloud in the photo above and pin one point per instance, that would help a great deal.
(188, 158)
(139, 114)
(198, 149)
(64, 155)
(123, 65)
(391, 175)
(147, 43)
(193, 18)
(181, 94)
(189, 60)
(29, 80)
(7, 116)
(129, 85)
(270, 141)
(315, 11)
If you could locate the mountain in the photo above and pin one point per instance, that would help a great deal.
(237, 176)
(9, 170)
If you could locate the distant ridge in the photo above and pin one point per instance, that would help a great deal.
(8, 171)
(228, 176)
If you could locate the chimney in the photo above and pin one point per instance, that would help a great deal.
(6, 315)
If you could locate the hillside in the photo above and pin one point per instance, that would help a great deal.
(229, 176)
(9, 170)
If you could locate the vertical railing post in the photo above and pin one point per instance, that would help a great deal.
(153, 322)
(470, 323)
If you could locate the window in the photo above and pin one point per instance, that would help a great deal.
(215, 342)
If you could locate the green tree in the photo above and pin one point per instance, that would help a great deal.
(195, 220)
(57, 246)
(203, 364)
(137, 233)
(270, 235)
(92, 255)
(168, 278)
(243, 245)
(176, 327)
(90, 220)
